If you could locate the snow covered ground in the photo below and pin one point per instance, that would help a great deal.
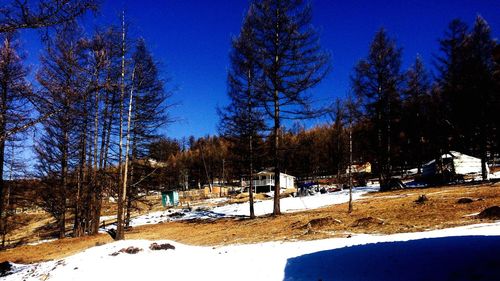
(463, 253)
(295, 204)
(289, 204)
(495, 175)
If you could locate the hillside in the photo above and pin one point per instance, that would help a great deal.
(375, 213)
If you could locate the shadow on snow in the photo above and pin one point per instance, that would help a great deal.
(448, 258)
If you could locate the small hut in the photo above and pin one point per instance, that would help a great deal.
(454, 164)
(263, 181)
(169, 198)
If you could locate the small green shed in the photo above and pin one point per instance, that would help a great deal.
(169, 198)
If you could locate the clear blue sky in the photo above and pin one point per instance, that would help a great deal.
(192, 40)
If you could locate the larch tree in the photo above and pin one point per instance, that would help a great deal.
(149, 114)
(100, 64)
(63, 82)
(351, 115)
(450, 64)
(467, 87)
(242, 120)
(496, 101)
(338, 141)
(291, 60)
(16, 15)
(15, 92)
(377, 83)
(146, 107)
(120, 231)
(416, 98)
(480, 87)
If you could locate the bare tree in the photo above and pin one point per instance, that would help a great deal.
(63, 84)
(16, 15)
(120, 234)
(351, 106)
(377, 81)
(121, 188)
(242, 120)
(289, 55)
(15, 92)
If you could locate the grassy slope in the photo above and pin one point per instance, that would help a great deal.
(396, 209)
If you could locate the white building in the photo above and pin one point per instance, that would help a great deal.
(456, 163)
(264, 181)
(360, 168)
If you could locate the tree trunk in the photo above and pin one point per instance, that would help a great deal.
(121, 235)
(379, 156)
(64, 183)
(350, 168)
(3, 194)
(3, 125)
(78, 224)
(96, 216)
(276, 130)
(108, 134)
(7, 200)
(250, 191)
(130, 194)
(205, 167)
(388, 149)
(484, 163)
(119, 220)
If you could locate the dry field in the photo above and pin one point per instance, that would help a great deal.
(377, 213)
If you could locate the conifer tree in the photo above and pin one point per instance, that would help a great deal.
(480, 89)
(16, 15)
(451, 67)
(63, 81)
(467, 87)
(149, 113)
(416, 98)
(15, 93)
(377, 83)
(242, 120)
(291, 61)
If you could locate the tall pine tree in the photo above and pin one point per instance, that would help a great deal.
(451, 66)
(291, 60)
(63, 81)
(242, 120)
(377, 83)
(480, 87)
(467, 87)
(15, 91)
(416, 99)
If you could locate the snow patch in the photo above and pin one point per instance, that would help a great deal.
(327, 259)
(289, 204)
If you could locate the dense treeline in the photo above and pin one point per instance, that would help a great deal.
(98, 102)
(412, 117)
(107, 102)
(307, 154)
(400, 118)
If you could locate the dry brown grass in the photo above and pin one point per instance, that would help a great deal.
(52, 250)
(29, 227)
(397, 210)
